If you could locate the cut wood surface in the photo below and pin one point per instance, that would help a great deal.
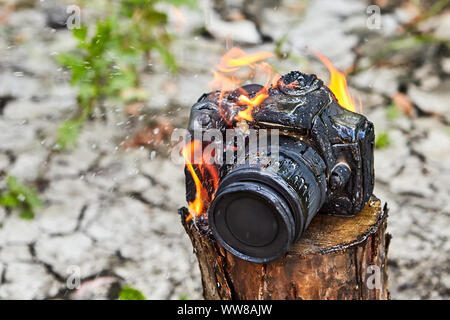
(336, 258)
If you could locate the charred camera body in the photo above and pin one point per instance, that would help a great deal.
(323, 162)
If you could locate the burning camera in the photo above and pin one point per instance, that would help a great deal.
(322, 161)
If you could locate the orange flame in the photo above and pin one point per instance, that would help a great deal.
(198, 206)
(223, 82)
(246, 114)
(237, 58)
(338, 84)
(225, 77)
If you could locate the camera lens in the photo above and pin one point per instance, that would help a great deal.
(260, 210)
(252, 220)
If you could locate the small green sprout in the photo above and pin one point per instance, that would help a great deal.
(20, 197)
(128, 293)
(382, 140)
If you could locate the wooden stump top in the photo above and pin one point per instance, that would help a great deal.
(328, 233)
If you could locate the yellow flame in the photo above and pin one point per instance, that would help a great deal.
(226, 78)
(236, 58)
(338, 84)
(250, 103)
(198, 206)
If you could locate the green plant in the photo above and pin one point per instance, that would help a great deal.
(392, 112)
(20, 197)
(382, 140)
(128, 293)
(69, 131)
(145, 24)
(184, 297)
(107, 64)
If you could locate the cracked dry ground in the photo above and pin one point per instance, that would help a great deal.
(107, 215)
(110, 214)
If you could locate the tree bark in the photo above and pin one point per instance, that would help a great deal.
(336, 258)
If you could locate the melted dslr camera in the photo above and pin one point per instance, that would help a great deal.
(325, 164)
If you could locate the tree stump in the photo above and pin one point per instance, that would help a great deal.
(336, 258)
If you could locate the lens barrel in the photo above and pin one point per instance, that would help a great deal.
(260, 210)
